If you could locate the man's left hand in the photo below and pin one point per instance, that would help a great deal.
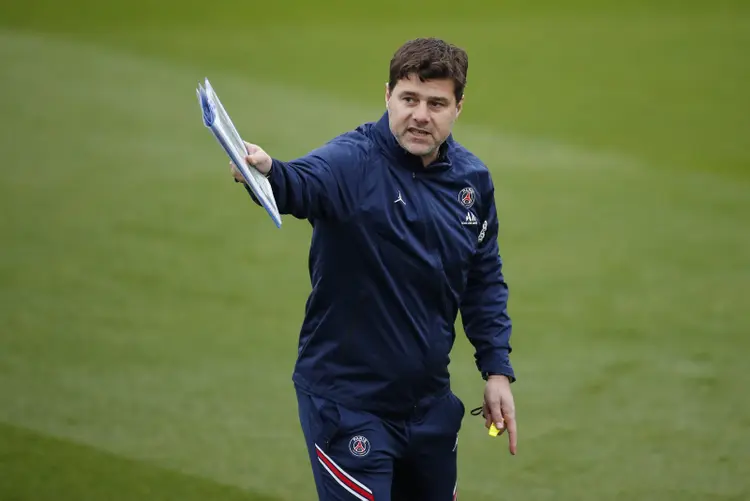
(500, 409)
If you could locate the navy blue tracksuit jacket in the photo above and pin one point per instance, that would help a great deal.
(397, 250)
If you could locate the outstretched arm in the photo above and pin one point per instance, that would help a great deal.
(318, 185)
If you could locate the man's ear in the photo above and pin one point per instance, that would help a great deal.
(387, 94)
(460, 106)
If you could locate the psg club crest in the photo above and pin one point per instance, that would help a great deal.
(359, 446)
(467, 197)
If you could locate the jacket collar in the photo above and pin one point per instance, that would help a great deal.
(388, 143)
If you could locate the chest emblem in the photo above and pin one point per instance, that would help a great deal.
(467, 197)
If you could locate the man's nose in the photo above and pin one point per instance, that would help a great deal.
(421, 113)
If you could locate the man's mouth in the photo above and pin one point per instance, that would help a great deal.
(418, 132)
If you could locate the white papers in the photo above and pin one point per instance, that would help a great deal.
(217, 120)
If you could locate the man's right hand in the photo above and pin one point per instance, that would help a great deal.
(255, 157)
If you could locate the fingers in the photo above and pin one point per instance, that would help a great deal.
(512, 434)
(260, 160)
(499, 409)
(236, 173)
(509, 415)
(251, 148)
(254, 155)
(254, 158)
(496, 413)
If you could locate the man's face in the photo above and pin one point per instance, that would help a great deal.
(421, 114)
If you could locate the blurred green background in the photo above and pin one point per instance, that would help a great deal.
(149, 311)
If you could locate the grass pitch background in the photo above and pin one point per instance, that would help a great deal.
(130, 265)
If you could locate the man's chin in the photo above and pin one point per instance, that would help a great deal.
(419, 150)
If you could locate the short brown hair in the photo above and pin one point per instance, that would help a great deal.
(430, 58)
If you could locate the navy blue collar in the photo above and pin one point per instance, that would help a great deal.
(403, 158)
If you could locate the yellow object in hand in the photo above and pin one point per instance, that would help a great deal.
(493, 430)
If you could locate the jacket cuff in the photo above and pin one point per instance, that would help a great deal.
(275, 169)
(497, 365)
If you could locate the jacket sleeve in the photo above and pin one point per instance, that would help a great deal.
(319, 185)
(484, 305)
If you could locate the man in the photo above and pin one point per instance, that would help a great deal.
(404, 237)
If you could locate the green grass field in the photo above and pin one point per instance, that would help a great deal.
(149, 311)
